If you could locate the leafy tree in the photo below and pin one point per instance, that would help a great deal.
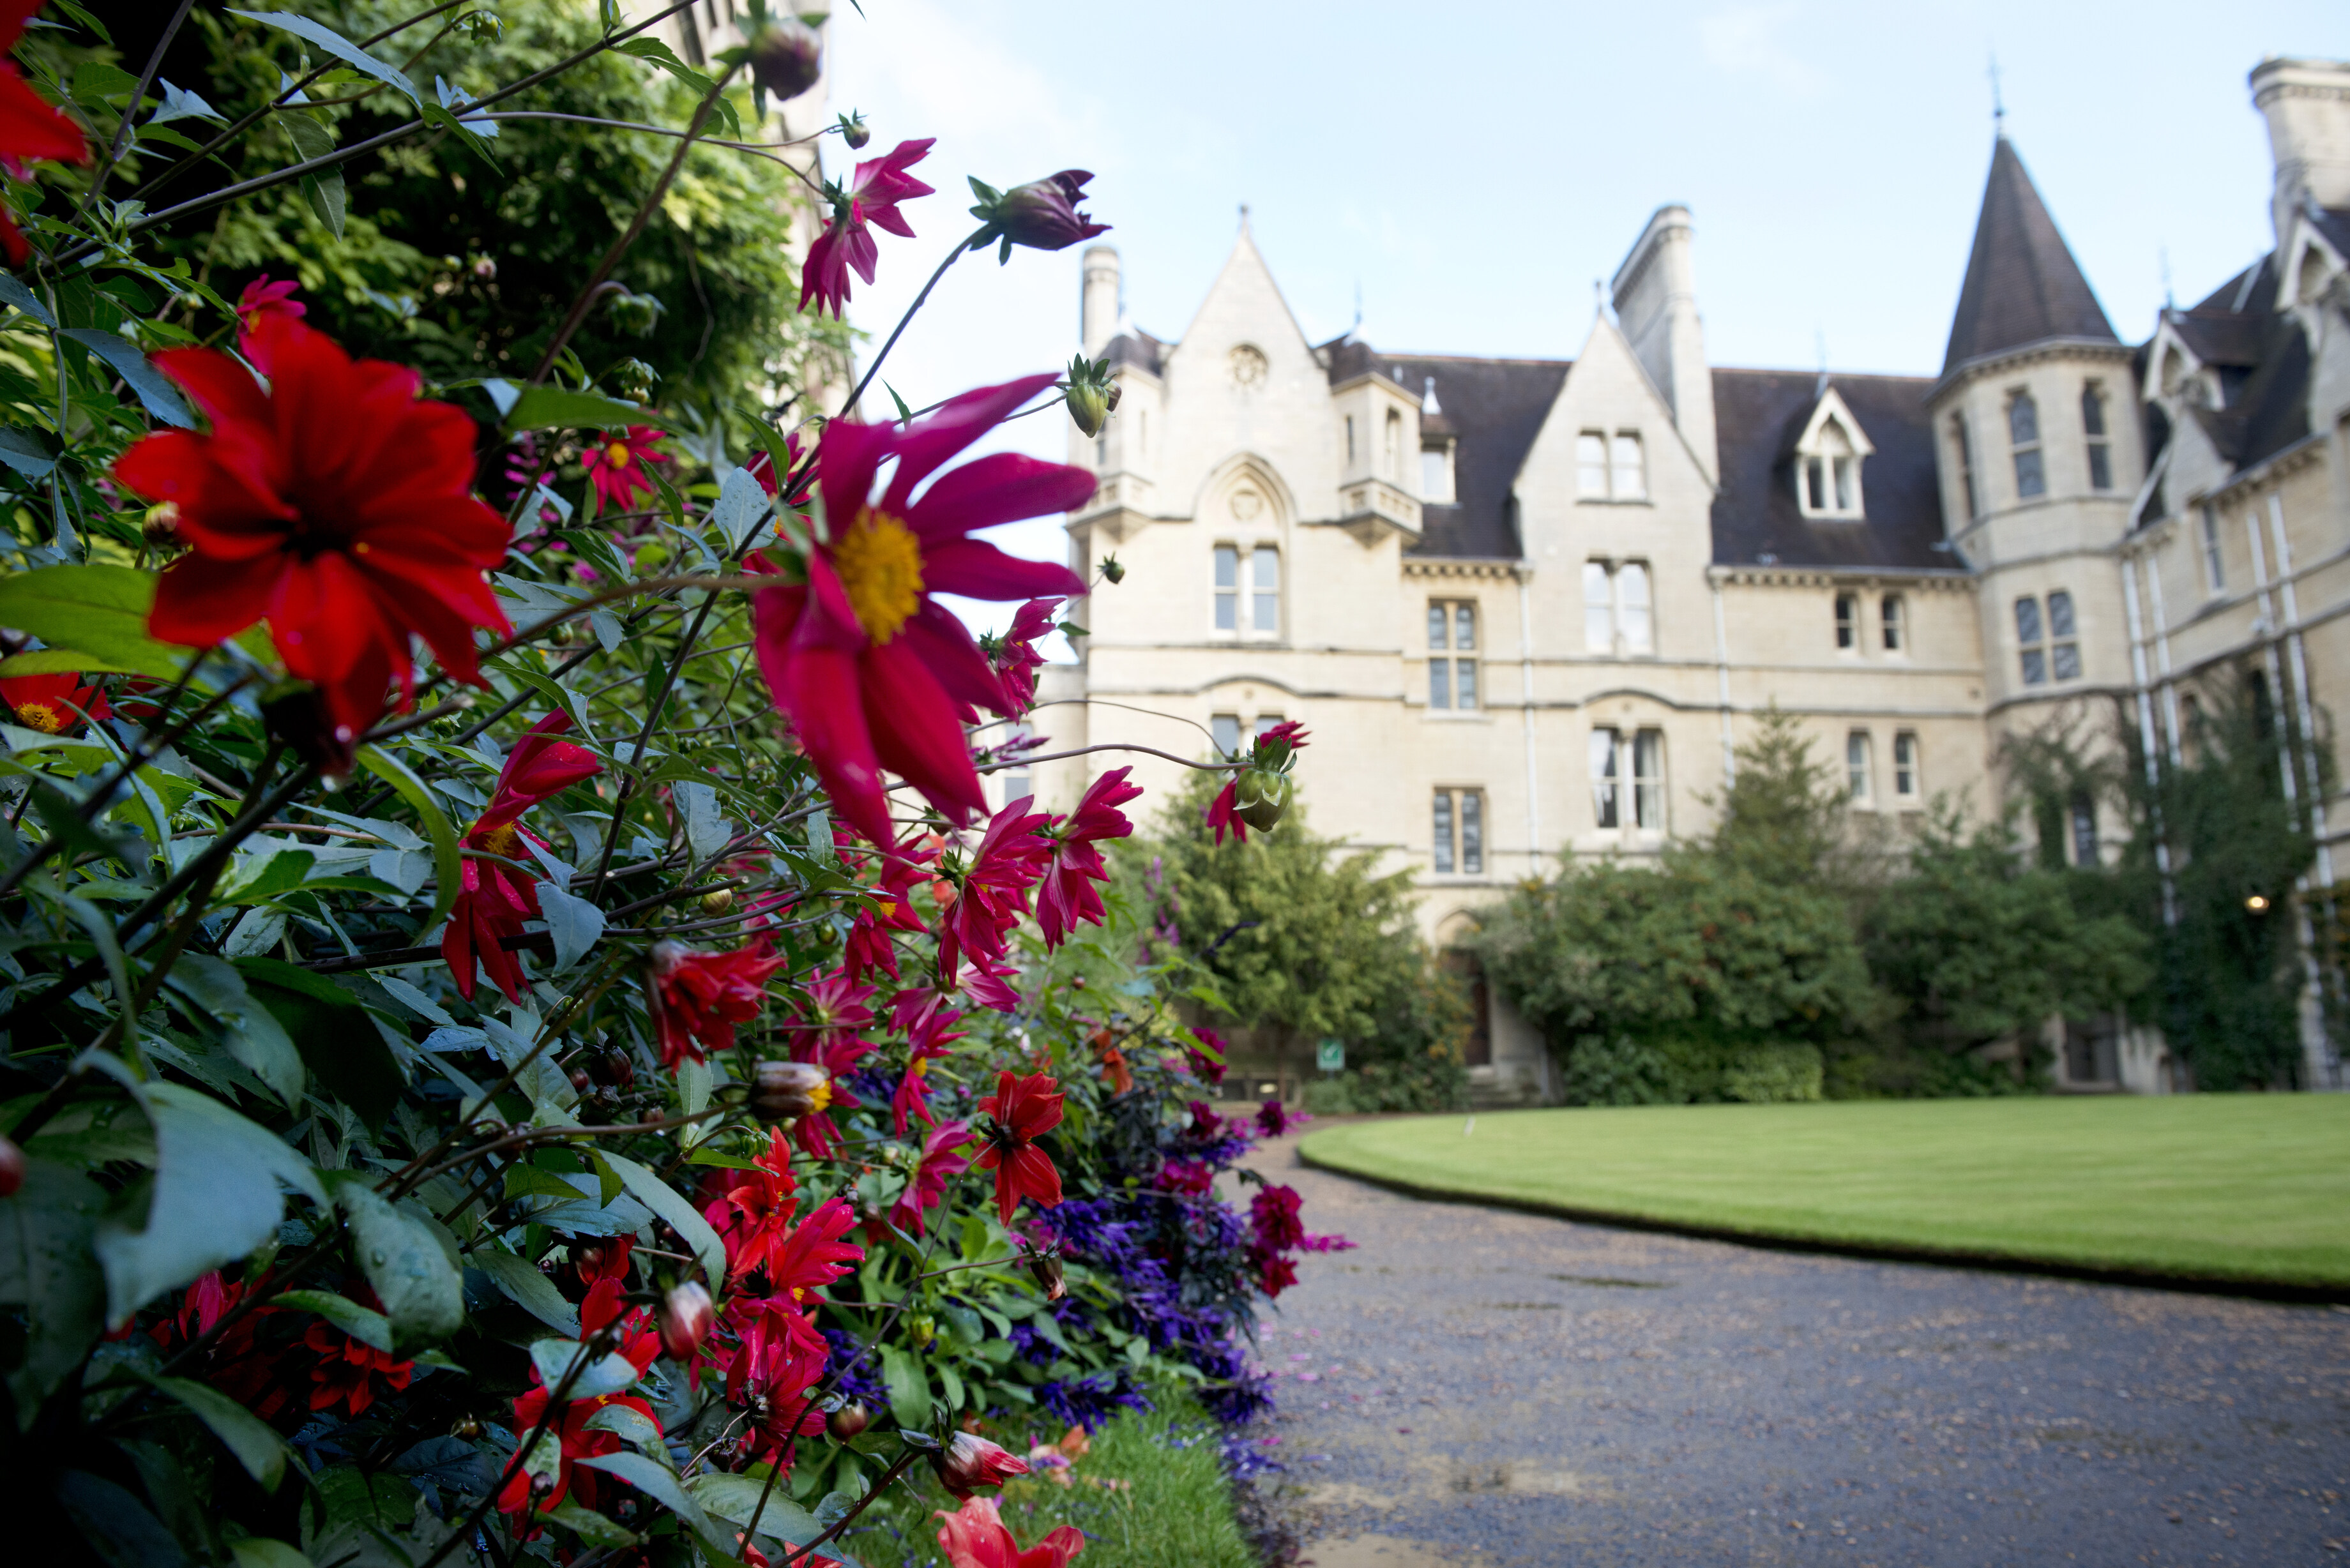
(1300, 934)
(2229, 975)
(463, 269)
(1734, 943)
(1976, 942)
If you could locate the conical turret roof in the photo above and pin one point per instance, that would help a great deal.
(2023, 284)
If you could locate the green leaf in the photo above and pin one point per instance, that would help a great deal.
(422, 1292)
(909, 1391)
(448, 862)
(335, 44)
(254, 1036)
(328, 197)
(100, 611)
(631, 1424)
(92, 79)
(116, 1524)
(28, 454)
(128, 361)
(658, 1482)
(338, 1040)
(365, 1325)
(259, 1449)
(735, 1497)
(591, 1526)
(657, 1196)
(434, 115)
(46, 1267)
(215, 1195)
(260, 1551)
(554, 407)
(607, 1373)
(527, 1288)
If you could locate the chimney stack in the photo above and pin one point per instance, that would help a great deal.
(2307, 103)
(1655, 295)
(1098, 319)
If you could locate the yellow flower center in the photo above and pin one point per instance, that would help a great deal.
(921, 1069)
(41, 716)
(504, 839)
(616, 455)
(820, 1096)
(881, 564)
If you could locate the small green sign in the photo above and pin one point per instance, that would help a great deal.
(1331, 1055)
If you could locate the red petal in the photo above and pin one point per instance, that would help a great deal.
(918, 736)
(1002, 487)
(201, 600)
(935, 438)
(978, 570)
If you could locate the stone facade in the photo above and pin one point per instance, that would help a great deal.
(1529, 605)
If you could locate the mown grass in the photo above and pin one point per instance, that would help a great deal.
(1176, 1511)
(2249, 1188)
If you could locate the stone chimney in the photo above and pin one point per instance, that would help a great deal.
(1654, 294)
(1098, 319)
(2307, 103)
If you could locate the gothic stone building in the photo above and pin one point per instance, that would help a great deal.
(1531, 606)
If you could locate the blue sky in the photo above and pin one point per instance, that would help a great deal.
(1473, 168)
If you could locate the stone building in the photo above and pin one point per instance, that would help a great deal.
(1531, 606)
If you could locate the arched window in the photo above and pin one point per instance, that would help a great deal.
(1395, 447)
(1893, 616)
(2023, 435)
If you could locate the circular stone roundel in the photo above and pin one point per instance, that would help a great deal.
(1246, 505)
(1248, 367)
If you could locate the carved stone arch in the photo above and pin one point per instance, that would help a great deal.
(1246, 491)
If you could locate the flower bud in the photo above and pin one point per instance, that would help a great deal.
(465, 1427)
(1112, 569)
(160, 526)
(718, 900)
(486, 269)
(637, 313)
(296, 714)
(687, 1317)
(612, 1069)
(969, 1462)
(785, 1091)
(853, 131)
(848, 1421)
(1042, 214)
(1262, 798)
(786, 57)
(579, 1079)
(633, 378)
(921, 1328)
(12, 1167)
(1045, 1268)
(1089, 408)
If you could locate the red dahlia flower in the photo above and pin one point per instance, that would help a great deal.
(1023, 1109)
(53, 704)
(872, 197)
(1068, 894)
(992, 893)
(1042, 214)
(262, 297)
(969, 1461)
(941, 1163)
(974, 1537)
(1272, 1120)
(334, 505)
(1015, 658)
(868, 947)
(497, 898)
(929, 1023)
(811, 1254)
(832, 1014)
(780, 1357)
(698, 998)
(617, 468)
(30, 126)
(755, 1213)
(350, 1373)
(873, 672)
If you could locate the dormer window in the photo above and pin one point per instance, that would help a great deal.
(1436, 473)
(1827, 461)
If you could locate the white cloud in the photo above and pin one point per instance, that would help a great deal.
(1747, 41)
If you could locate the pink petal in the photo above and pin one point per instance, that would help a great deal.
(1002, 487)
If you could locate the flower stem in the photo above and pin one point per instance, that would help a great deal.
(900, 330)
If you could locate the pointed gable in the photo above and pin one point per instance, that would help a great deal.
(2023, 284)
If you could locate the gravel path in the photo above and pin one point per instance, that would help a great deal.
(1475, 1385)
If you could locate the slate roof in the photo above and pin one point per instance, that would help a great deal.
(1493, 409)
(2023, 284)
(2262, 359)
(1759, 414)
(1135, 347)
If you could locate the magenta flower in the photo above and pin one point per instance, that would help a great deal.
(992, 895)
(262, 297)
(929, 1025)
(1016, 657)
(1042, 214)
(872, 198)
(1069, 894)
(872, 671)
(617, 468)
(941, 1163)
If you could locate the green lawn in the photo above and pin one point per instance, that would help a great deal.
(1174, 1508)
(2252, 1187)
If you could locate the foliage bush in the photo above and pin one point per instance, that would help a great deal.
(544, 1093)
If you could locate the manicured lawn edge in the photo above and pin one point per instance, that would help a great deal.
(1792, 1240)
